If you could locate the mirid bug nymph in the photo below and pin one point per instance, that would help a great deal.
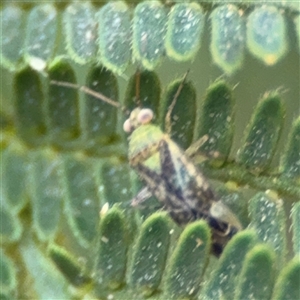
(170, 175)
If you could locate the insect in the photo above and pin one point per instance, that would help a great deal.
(169, 173)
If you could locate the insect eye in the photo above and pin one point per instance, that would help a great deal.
(127, 126)
(145, 116)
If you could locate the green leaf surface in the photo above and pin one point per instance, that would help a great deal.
(182, 95)
(8, 279)
(262, 134)
(268, 219)
(47, 282)
(68, 266)
(81, 198)
(257, 275)
(143, 90)
(46, 193)
(227, 37)
(115, 182)
(63, 115)
(12, 21)
(217, 121)
(184, 30)
(266, 34)
(149, 254)
(149, 29)
(14, 178)
(100, 118)
(188, 261)
(291, 160)
(287, 284)
(295, 214)
(114, 36)
(112, 249)
(29, 107)
(80, 31)
(41, 35)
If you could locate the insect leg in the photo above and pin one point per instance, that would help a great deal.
(193, 149)
(137, 87)
(154, 181)
(168, 121)
(143, 195)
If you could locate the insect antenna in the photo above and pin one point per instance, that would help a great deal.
(172, 105)
(137, 87)
(90, 92)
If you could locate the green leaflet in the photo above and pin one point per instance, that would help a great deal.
(80, 31)
(114, 182)
(183, 115)
(68, 266)
(257, 274)
(227, 41)
(149, 29)
(295, 214)
(81, 198)
(266, 34)
(12, 41)
(217, 121)
(291, 159)
(188, 261)
(143, 88)
(41, 35)
(149, 254)
(63, 115)
(114, 36)
(287, 284)
(268, 219)
(184, 31)
(112, 246)
(14, 178)
(46, 193)
(262, 134)
(29, 107)
(99, 118)
(47, 282)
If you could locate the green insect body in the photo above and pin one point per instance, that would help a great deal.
(175, 181)
(171, 176)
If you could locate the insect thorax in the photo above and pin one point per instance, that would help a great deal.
(144, 143)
